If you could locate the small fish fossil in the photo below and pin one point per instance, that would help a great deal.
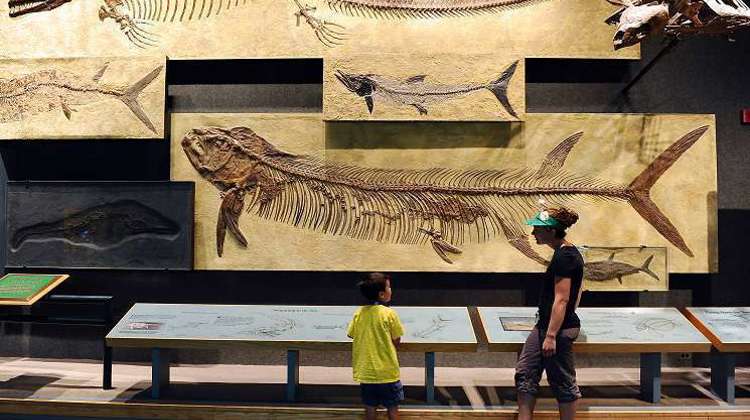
(415, 92)
(101, 227)
(610, 269)
(45, 90)
(405, 206)
(655, 325)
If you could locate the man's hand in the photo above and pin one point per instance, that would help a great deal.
(549, 347)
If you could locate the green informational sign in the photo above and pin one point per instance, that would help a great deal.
(27, 288)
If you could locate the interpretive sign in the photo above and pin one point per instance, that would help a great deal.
(727, 328)
(619, 330)
(322, 327)
(25, 289)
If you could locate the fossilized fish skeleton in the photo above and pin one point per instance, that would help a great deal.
(446, 207)
(610, 269)
(416, 92)
(45, 90)
(101, 227)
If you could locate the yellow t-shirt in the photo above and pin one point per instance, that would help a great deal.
(374, 358)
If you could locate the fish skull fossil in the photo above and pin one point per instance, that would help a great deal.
(24, 7)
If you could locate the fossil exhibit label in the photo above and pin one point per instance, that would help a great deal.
(82, 98)
(187, 29)
(424, 88)
(615, 269)
(398, 196)
(134, 225)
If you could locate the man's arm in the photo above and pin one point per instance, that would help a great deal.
(562, 295)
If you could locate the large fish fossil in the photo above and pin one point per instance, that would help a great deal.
(45, 90)
(415, 92)
(135, 16)
(610, 269)
(446, 207)
(101, 227)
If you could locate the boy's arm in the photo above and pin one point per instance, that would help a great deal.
(397, 329)
(350, 328)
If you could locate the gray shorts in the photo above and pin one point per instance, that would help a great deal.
(560, 368)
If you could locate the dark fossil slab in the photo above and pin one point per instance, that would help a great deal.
(124, 225)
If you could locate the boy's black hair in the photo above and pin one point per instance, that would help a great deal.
(372, 285)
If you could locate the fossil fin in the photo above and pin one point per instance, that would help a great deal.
(640, 189)
(416, 79)
(229, 215)
(422, 110)
(499, 88)
(66, 110)
(98, 76)
(520, 241)
(130, 97)
(555, 159)
(644, 268)
(370, 103)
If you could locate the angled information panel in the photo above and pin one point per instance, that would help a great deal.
(727, 328)
(611, 330)
(309, 327)
(25, 289)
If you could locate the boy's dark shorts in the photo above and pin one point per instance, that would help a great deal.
(387, 395)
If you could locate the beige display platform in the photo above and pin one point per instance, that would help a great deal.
(82, 98)
(427, 329)
(614, 148)
(604, 330)
(728, 328)
(270, 28)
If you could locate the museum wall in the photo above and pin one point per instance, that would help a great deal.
(704, 75)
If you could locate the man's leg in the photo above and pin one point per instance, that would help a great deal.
(370, 412)
(528, 374)
(568, 410)
(526, 403)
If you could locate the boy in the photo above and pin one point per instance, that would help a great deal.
(376, 331)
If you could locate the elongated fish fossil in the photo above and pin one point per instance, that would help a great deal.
(134, 16)
(102, 227)
(45, 90)
(405, 206)
(610, 269)
(415, 92)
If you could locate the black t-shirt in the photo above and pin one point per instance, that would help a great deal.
(566, 262)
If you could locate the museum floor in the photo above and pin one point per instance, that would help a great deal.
(72, 388)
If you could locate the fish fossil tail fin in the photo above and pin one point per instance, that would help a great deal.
(499, 88)
(644, 268)
(130, 97)
(640, 189)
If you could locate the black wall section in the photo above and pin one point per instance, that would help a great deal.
(699, 76)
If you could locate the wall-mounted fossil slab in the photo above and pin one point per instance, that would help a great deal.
(614, 269)
(120, 225)
(423, 88)
(82, 98)
(404, 196)
(289, 28)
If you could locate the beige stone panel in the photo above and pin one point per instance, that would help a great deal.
(268, 28)
(36, 108)
(443, 73)
(613, 148)
(634, 257)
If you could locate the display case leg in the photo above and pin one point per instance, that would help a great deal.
(159, 372)
(292, 374)
(429, 377)
(722, 375)
(107, 367)
(651, 377)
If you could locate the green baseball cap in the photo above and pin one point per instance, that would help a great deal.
(543, 218)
